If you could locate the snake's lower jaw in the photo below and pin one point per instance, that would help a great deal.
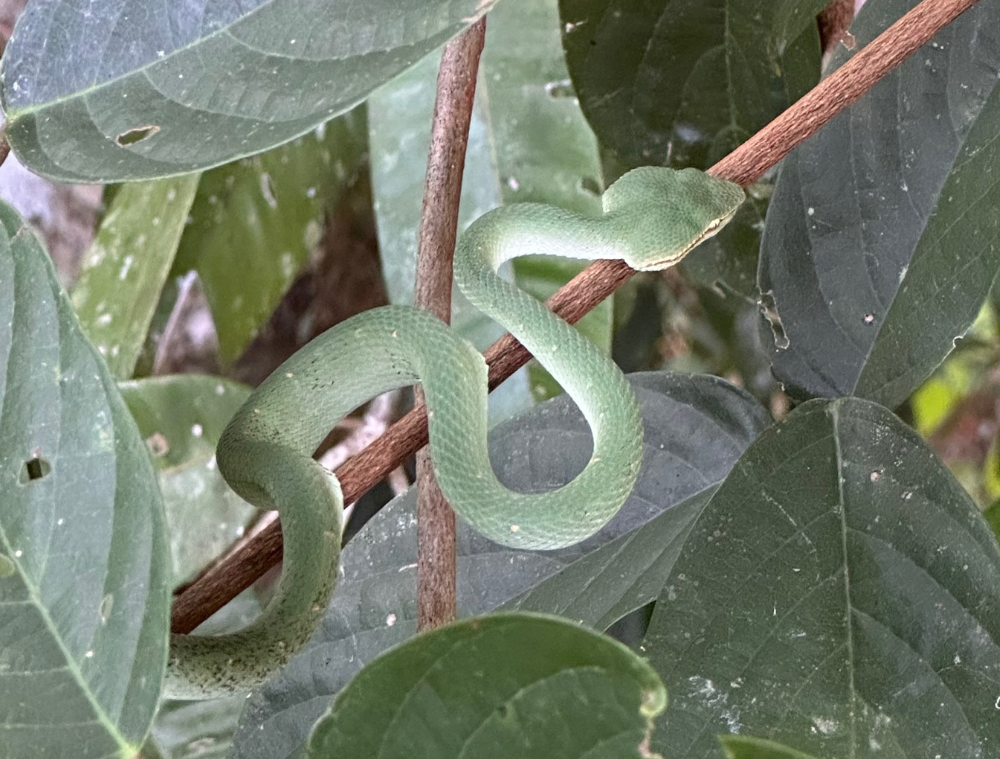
(656, 265)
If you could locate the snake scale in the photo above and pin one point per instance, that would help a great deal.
(652, 217)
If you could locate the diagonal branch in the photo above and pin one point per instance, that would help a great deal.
(744, 165)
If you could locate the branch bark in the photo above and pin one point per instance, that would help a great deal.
(456, 90)
(744, 165)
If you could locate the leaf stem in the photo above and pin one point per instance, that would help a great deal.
(744, 165)
(456, 90)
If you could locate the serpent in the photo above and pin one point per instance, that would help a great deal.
(652, 217)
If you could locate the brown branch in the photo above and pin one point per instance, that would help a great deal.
(745, 165)
(456, 90)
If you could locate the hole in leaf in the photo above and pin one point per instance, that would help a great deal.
(158, 445)
(590, 186)
(34, 469)
(137, 134)
(560, 89)
(769, 308)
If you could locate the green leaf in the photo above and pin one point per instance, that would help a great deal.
(528, 142)
(882, 238)
(127, 265)
(495, 687)
(696, 428)
(106, 90)
(197, 729)
(181, 418)
(840, 594)
(83, 573)
(992, 515)
(685, 81)
(745, 747)
(254, 224)
(730, 259)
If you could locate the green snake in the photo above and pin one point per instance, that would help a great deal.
(652, 218)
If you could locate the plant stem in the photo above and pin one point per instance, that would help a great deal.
(456, 90)
(744, 165)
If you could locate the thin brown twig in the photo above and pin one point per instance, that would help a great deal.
(456, 90)
(744, 165)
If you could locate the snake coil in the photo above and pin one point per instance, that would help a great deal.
(652, 218)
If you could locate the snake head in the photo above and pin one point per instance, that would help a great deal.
(662, 214)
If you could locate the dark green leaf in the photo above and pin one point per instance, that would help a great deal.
(181, 418)
(992, 515)
(730, 259)
(840, 594)
(685, 81)
(696, 427)
(882, 238)
(105, 90)
(490, 688)
(745, 747)
(83, 555)
(254, 224)
(127, 266)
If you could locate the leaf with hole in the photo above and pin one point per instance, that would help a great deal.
(696, 428)
(839, 594)
(114, 90)
(883, 236)
(494, 687)
(127, 265)
(84, 579)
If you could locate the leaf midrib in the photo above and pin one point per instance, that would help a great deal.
(848, 605)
